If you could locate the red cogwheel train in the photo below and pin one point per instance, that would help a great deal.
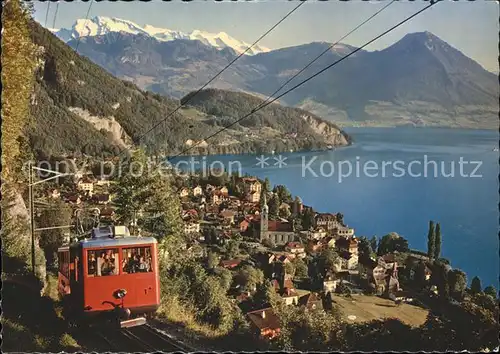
(111, 276)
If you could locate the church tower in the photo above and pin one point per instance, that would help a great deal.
(264, 218)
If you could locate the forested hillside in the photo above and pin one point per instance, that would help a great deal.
(66, 80)
(285, 120)
(18, 65)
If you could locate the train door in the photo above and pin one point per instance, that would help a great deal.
(76, 279)
(139, 273)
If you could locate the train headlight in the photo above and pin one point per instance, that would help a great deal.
(120, 294)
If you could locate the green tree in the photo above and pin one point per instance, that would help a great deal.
(364, 249)
(212, 304)
(440, 278)
(491, 291)
(266, 186)
(308, 218)
(162, 200)
(301, 269)
(232, 249)
(212, 236)
(303, 330)
(290, 268)
(431, 240)
(265, 295)
(475, 285)
(283, 193)
(419, 278)
(458, 283)
(374, 243)
(19, 63)
(437, 249)
(274, 205)
(212, 260)
(327, 261)
(225, 278)
(248, 277)
(392, 243)
(147, 191)
(59, 214)
(131, 189)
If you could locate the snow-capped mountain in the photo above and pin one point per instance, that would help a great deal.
(100, 25)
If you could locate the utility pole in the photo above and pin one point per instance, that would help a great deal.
(31, 202)
(32, 218)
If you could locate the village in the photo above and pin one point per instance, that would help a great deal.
(312, 260)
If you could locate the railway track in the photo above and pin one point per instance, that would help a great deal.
(140, 339)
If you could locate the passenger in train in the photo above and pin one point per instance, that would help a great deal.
(92, 264)
(136, 263)
(143, 267)
(110, 255)
(131, 264)
(128, 262)
(108, 266)
(100, 262)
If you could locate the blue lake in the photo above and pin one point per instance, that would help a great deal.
(403, 199)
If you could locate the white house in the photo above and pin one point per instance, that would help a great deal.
(85, 185)
(197, 191)
(191, 227)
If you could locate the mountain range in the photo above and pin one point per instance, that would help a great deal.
(77, 107)
(419, 80)
(101, 25)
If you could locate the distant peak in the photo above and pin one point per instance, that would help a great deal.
(422, 35)
(102, 25)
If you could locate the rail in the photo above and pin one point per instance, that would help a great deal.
(143, 338)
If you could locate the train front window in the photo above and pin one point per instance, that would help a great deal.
(137, 260)
(102, 262)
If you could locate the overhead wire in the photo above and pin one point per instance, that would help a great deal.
(84, 25)
(47, 13)
(55, 15)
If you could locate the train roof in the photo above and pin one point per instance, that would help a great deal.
(116, 242)
(102, 242)
(109, 236)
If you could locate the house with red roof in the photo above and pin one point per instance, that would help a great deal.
(311, 301)
(243, 225)
(230, 263)
(265, 322)
(294, 247)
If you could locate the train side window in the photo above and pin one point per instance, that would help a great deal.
(137, 260)
(102, 262)
(63, 264)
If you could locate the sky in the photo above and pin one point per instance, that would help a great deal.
(470, 26)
